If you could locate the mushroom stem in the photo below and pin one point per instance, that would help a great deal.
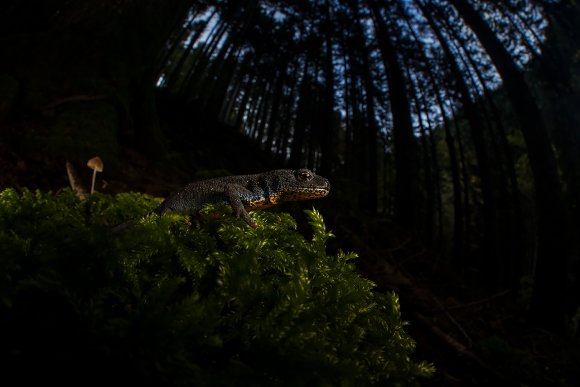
(96, 164)
(93, 183)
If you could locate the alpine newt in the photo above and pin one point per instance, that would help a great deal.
(244, 193)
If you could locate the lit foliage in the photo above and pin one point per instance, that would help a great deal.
(209, 303)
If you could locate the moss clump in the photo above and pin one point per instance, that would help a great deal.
(173, 303)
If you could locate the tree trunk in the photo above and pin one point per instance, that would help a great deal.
(327, 133)
(405, 147)
(360, 52)
(548, 302)
(296, 159)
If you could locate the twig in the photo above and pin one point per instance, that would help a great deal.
(461, 349)
(470, 304)
(75, 181)
(75, 98)
(454, 322)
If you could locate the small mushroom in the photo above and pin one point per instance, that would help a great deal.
(96, 164)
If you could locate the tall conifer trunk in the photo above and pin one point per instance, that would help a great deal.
(406, 164)
(548, 301)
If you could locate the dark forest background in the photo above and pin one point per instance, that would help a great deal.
(450, 131)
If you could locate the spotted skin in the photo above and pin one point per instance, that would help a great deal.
(246, 192)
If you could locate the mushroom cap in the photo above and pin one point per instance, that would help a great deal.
(96, 164)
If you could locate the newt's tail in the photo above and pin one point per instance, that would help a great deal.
(128, 224)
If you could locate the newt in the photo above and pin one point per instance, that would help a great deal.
(244, 193)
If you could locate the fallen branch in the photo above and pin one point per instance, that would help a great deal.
(454, 322)
(392, 276)
(75, 98)
(460, 349)
(444, 309)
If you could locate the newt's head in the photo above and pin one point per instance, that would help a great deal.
(298, 184)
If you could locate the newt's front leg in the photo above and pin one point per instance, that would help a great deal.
(234, 193)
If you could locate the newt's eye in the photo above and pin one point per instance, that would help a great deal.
(303, 175)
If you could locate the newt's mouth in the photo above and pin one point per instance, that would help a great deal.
(295, 194)
(306, 193)
(318, 190)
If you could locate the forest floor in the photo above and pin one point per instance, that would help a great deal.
(473, 337)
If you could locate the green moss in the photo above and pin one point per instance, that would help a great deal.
(173, 303)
